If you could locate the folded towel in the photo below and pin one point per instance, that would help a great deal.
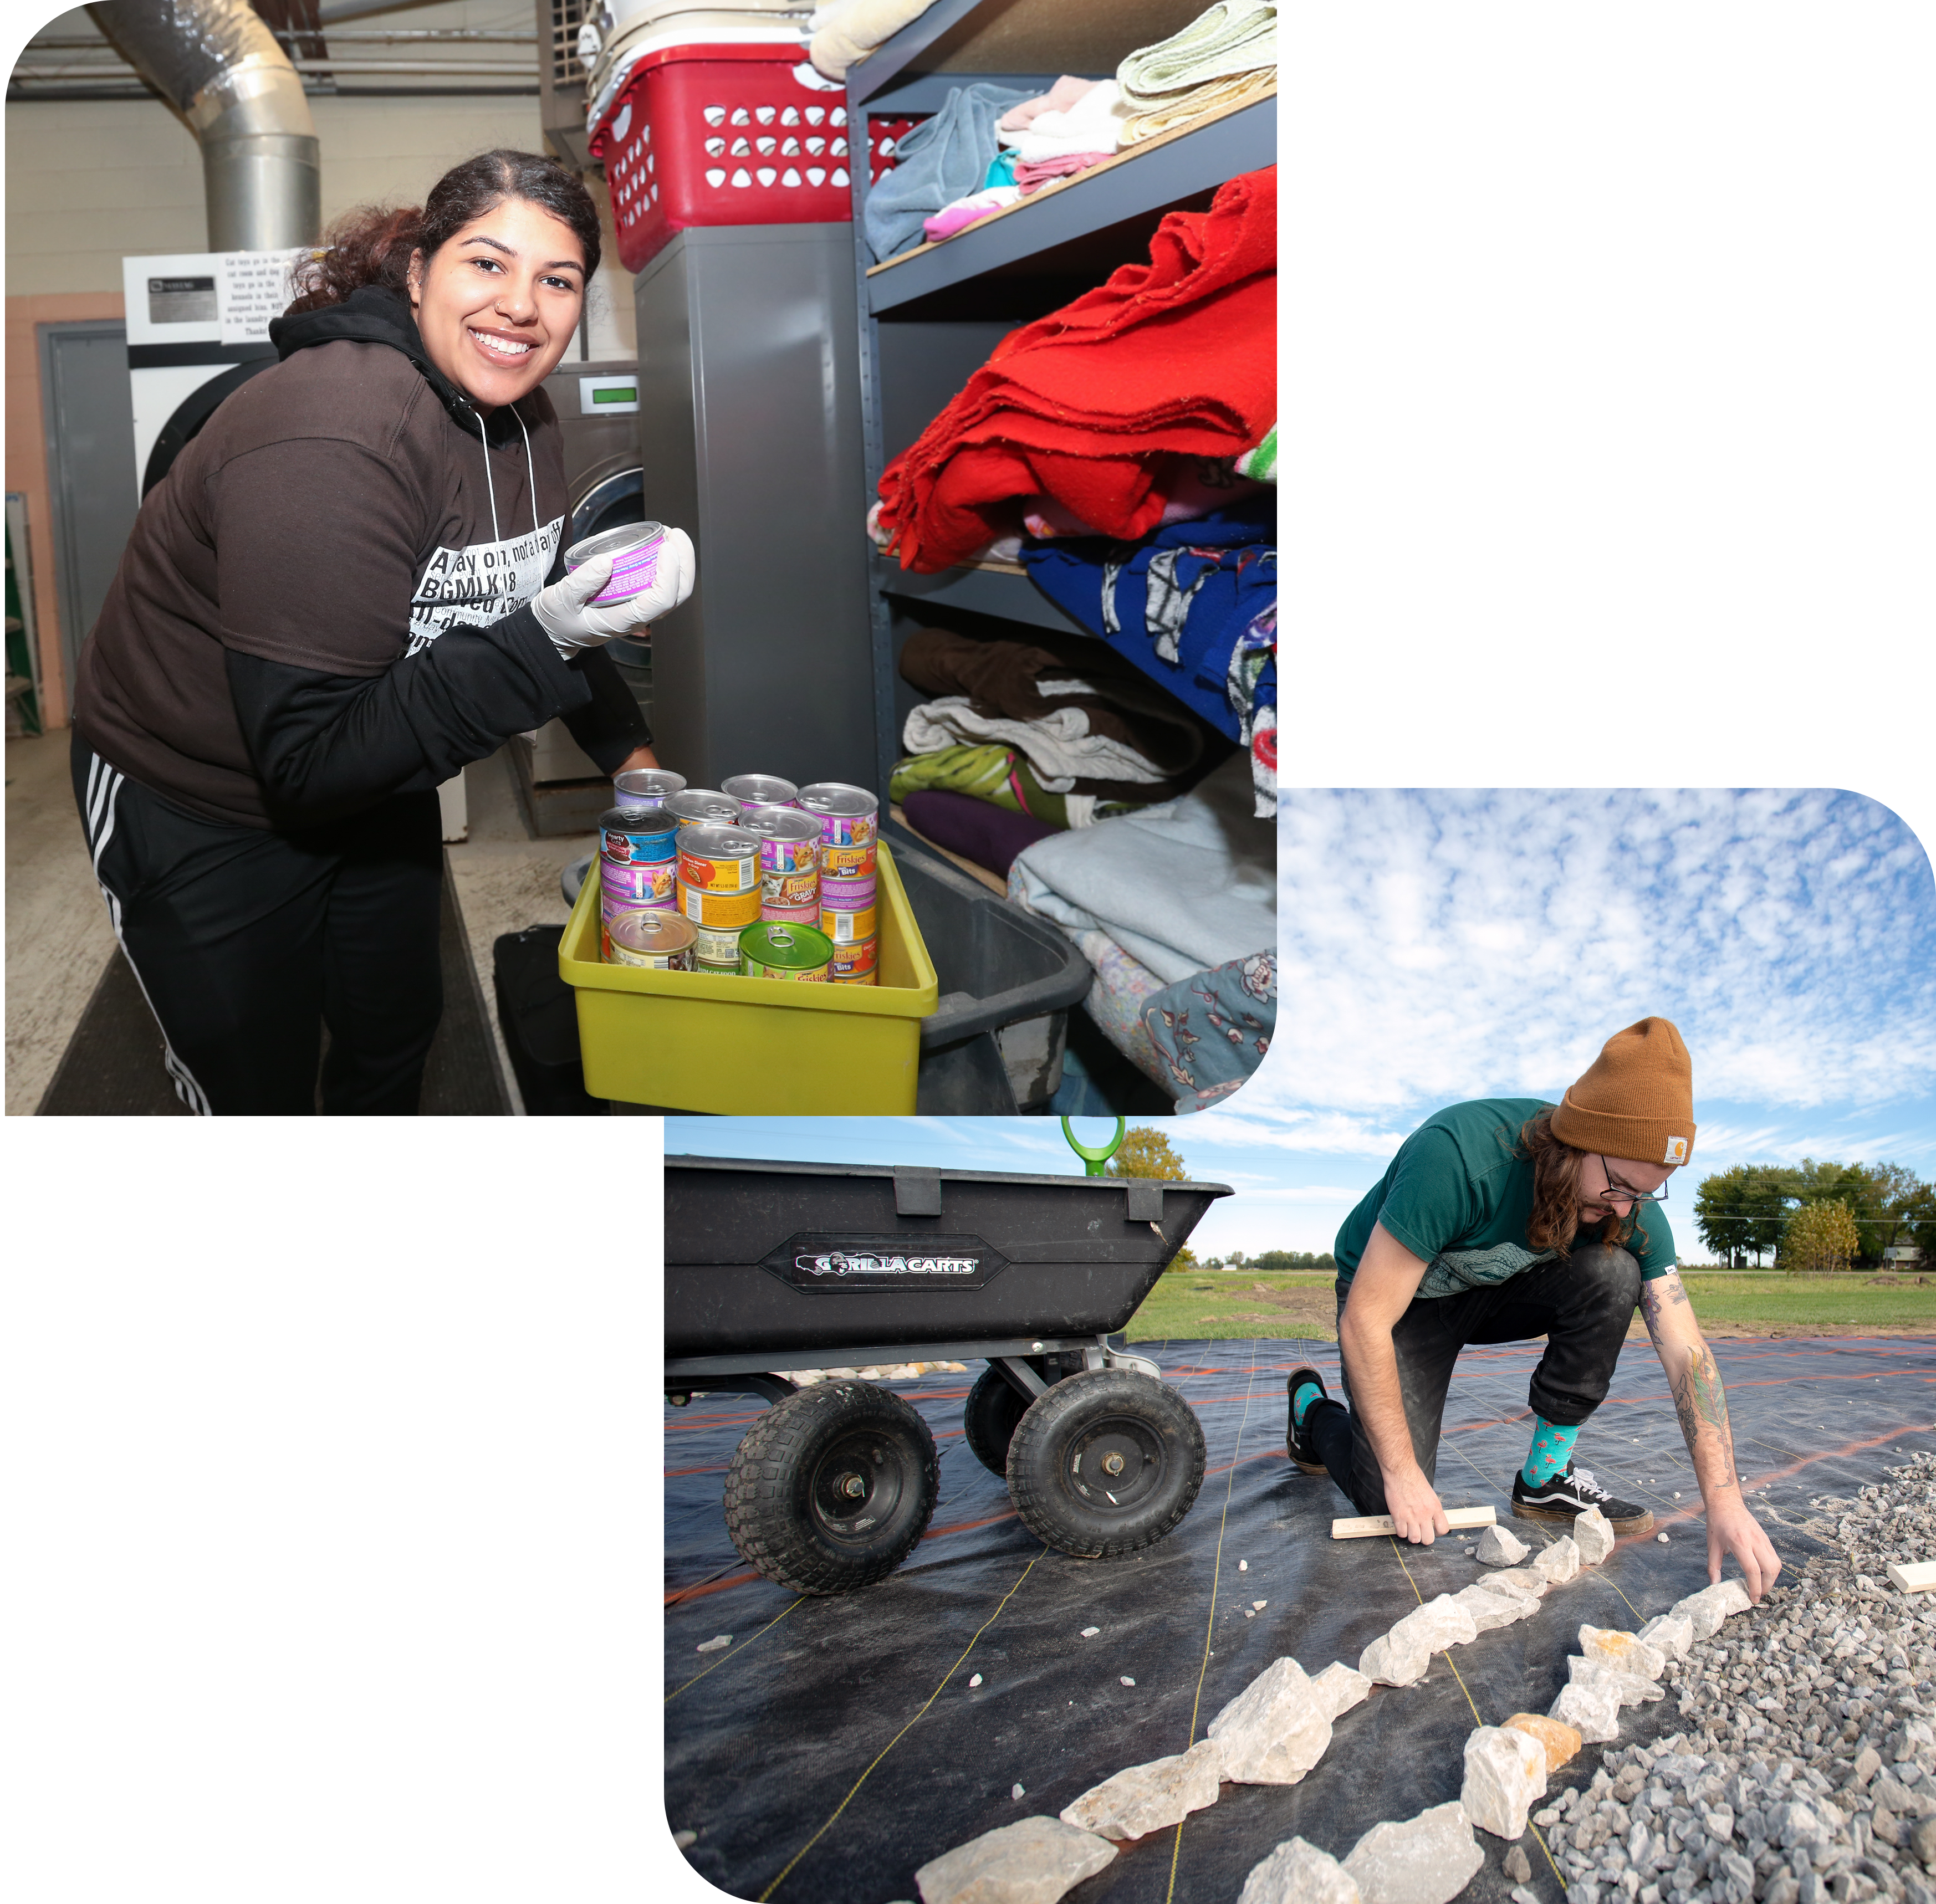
(988, 835)
(970, 210)
(844, 36)
(988, 771)
(1178, 110)
(1093, 124)
(942, 160)
(1058, 744)
(1261, 464)
(1063, 94)
(1032, 178)
(1232, 37)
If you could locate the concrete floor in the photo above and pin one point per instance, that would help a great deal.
(58, 938)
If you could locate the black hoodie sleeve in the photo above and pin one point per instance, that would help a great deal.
(610, 724)
(326, 744)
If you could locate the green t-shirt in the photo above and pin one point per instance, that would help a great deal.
(1456, 1196)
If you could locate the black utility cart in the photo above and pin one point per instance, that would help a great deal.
(773, 1267)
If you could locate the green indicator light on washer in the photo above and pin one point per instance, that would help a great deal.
(615, 396)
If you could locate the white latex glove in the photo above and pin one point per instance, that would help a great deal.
(565, 612)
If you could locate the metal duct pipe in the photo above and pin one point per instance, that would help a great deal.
(220, 69)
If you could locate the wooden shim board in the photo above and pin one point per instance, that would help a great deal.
(1920, 1576)
(1368, 1525)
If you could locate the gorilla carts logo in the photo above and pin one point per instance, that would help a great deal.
(850, 1263)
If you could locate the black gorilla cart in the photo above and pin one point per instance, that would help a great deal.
(773, 1267)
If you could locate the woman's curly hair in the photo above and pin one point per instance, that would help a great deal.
(373, 244)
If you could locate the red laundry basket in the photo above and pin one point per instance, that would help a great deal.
(727, 135)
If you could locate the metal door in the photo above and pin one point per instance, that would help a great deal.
(89, 413)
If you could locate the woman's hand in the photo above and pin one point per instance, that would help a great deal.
(565, 610)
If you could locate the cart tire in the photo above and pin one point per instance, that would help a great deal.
(1058, 1478)
(988, 1419)
(830, 1489)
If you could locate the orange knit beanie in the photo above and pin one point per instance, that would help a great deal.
(1636, 1100)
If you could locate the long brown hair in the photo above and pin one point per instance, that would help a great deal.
(374, 243)
(1555, 1220)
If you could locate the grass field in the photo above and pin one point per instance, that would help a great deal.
(1216, 1305)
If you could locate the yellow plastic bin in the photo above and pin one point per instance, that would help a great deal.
(689, 1040)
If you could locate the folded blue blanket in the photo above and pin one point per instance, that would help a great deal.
(1211, 1030)
(1177, 603)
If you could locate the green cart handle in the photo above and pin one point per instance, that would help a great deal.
(1093, 1161)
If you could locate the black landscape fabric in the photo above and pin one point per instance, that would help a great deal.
(862, 1706)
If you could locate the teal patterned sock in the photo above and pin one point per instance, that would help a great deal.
(1552, 1449)
(1307, 1393)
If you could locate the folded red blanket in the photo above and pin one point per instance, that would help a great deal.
(1174, 357)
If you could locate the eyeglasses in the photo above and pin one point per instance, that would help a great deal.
(1615, 1188)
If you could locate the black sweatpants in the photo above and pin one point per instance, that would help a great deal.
(1582, 1307)
(247, 942)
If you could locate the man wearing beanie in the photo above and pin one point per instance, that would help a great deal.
(1508, 1219)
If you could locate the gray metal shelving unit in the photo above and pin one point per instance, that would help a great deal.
(928, 319)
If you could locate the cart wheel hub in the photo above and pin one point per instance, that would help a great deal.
(852, 1486)
(1117, 1463)
(1112, 1464)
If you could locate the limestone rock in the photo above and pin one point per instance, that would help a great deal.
(1498, 1547)
(1628, 1688)
(1427, 1860)
(1518, 1865)
(1390, 1664)
(1506, 1777)
(1708, 1608)
(1337, 1689)
(1298, 1873)
(1560, 1742)
(1672, 1633)
(1559, 1562)
(1402, 1655)
(1592, 1711)
(1626, 1650)
(1593, 1535)
(1035, 1862)
(1490, 1610)
(1521, 1580)
(1275, 1730)
(1143, 1798)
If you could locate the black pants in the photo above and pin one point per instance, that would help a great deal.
(1582, 1307)
(246, 942)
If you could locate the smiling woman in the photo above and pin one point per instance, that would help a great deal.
(350, 586)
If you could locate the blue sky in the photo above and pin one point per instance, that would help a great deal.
(1435, 946)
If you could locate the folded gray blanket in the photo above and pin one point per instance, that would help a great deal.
(942, 160)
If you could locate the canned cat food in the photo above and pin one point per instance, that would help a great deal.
(760, 790)
(699, 806)
(661, 941)
(722, 859)
(750, 810)
(641, 882)
(856, 964)
(848, 895)
(848, 816)
(715, 948)
(789, 840)
(634, 549)
(792, 915)
(647, 786)
(847, 861)
(630, 833)
(791, 889)
(848, 928)
(784, 951)
(720, 909)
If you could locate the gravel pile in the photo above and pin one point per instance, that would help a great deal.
(1806, 1769)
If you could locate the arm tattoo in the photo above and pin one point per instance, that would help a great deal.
(1698, 1398)
(1658, 1295)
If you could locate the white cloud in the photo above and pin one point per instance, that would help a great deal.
(1441, 945)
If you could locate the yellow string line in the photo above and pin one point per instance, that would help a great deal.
(1539, 1837)
(1210, 1625)
(737, 1650)
(900, 1735)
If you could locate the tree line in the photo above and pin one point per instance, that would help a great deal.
(1816, 1215)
